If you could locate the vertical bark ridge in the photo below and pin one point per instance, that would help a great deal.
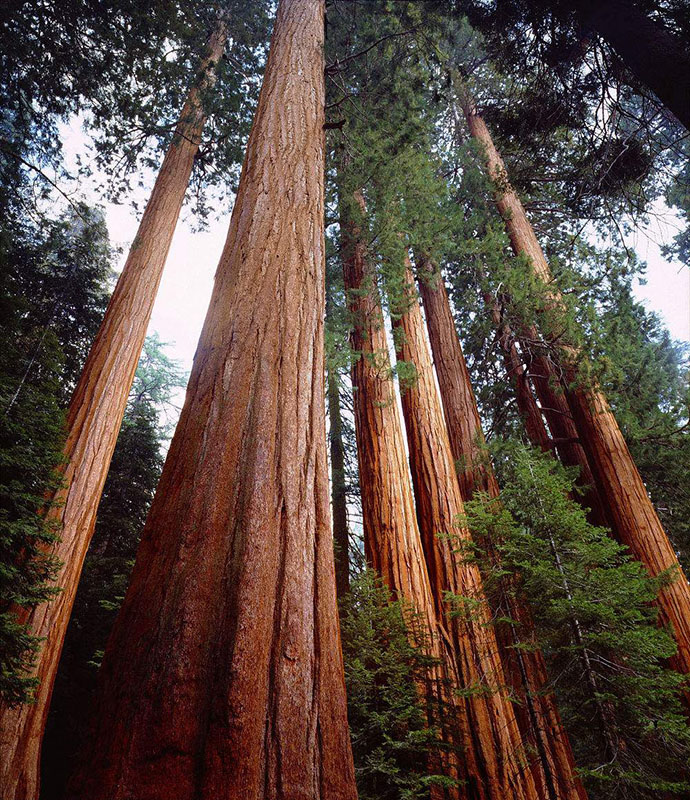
(93, 422)
(497, 743)
(537, 715)
(223, 675)
(391, 536)
(629, 508)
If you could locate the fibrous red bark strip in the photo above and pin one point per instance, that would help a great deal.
(628, 506)
(496, 742)
(537, 715)
(93, 422)
(223, 676)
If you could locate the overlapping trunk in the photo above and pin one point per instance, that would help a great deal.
(223, 675)
(93, 422)
(537, 715)
(496, 741)
(391, 536)
(628, 506)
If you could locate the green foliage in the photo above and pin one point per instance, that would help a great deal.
(129, 488)
(53, 278)
(385, 667)
(596, 624)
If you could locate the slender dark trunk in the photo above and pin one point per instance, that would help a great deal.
(338, 487)
(223, 676)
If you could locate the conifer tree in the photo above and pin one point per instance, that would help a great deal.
(93, 421)
(629, 509)
(223, 675)
(499, 751)
(537, 715)
(392, 542)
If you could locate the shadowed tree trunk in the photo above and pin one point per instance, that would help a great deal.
(537, 715)
(93, 422)
(496, 742)
(629, 508)
(391, 537)
(223, 675)
(338, 488)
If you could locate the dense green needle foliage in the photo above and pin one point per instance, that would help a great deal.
(596, 625)
(54, 281)
(387, 676)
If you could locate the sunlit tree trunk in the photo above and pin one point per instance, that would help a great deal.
(93, 422)
(223, 675)
(537, 715)
(497, 743)
(629, 508)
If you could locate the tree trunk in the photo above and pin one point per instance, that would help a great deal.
(391, 537)
(338, 490)
(537, 714)
(652, 52)
(223, 675)
(629, 509)
(93, 422)
(496, 741)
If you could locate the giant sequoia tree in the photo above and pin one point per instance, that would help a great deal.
(93, 421)
(628, 506)
(223, 675)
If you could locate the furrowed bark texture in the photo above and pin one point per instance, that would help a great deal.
(628, 506)
(392, 542)
(653, 53)
(496, 742)
(223, 676)
(552, 759)
(93, 422)
(338, 490)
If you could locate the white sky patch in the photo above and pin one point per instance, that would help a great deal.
(187, 283)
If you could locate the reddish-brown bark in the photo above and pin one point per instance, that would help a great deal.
(223, 675)
(628, 506)
(537, 715)
(496, 742)
(391, 536)
(93, 422)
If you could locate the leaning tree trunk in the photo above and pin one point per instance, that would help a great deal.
(392, 542)
(223, 675)
(496, 742)
(652, 52)
(93, 422)
(338, 488)
(629, 508)
(537, 714)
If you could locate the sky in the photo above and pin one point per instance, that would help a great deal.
(187, 282)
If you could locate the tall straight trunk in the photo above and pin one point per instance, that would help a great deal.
(338, 488)
(537, 714)
(93, 422)
(223, 675)
(652, 52)
(392, 542)
(497, 743)
(629, 508)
